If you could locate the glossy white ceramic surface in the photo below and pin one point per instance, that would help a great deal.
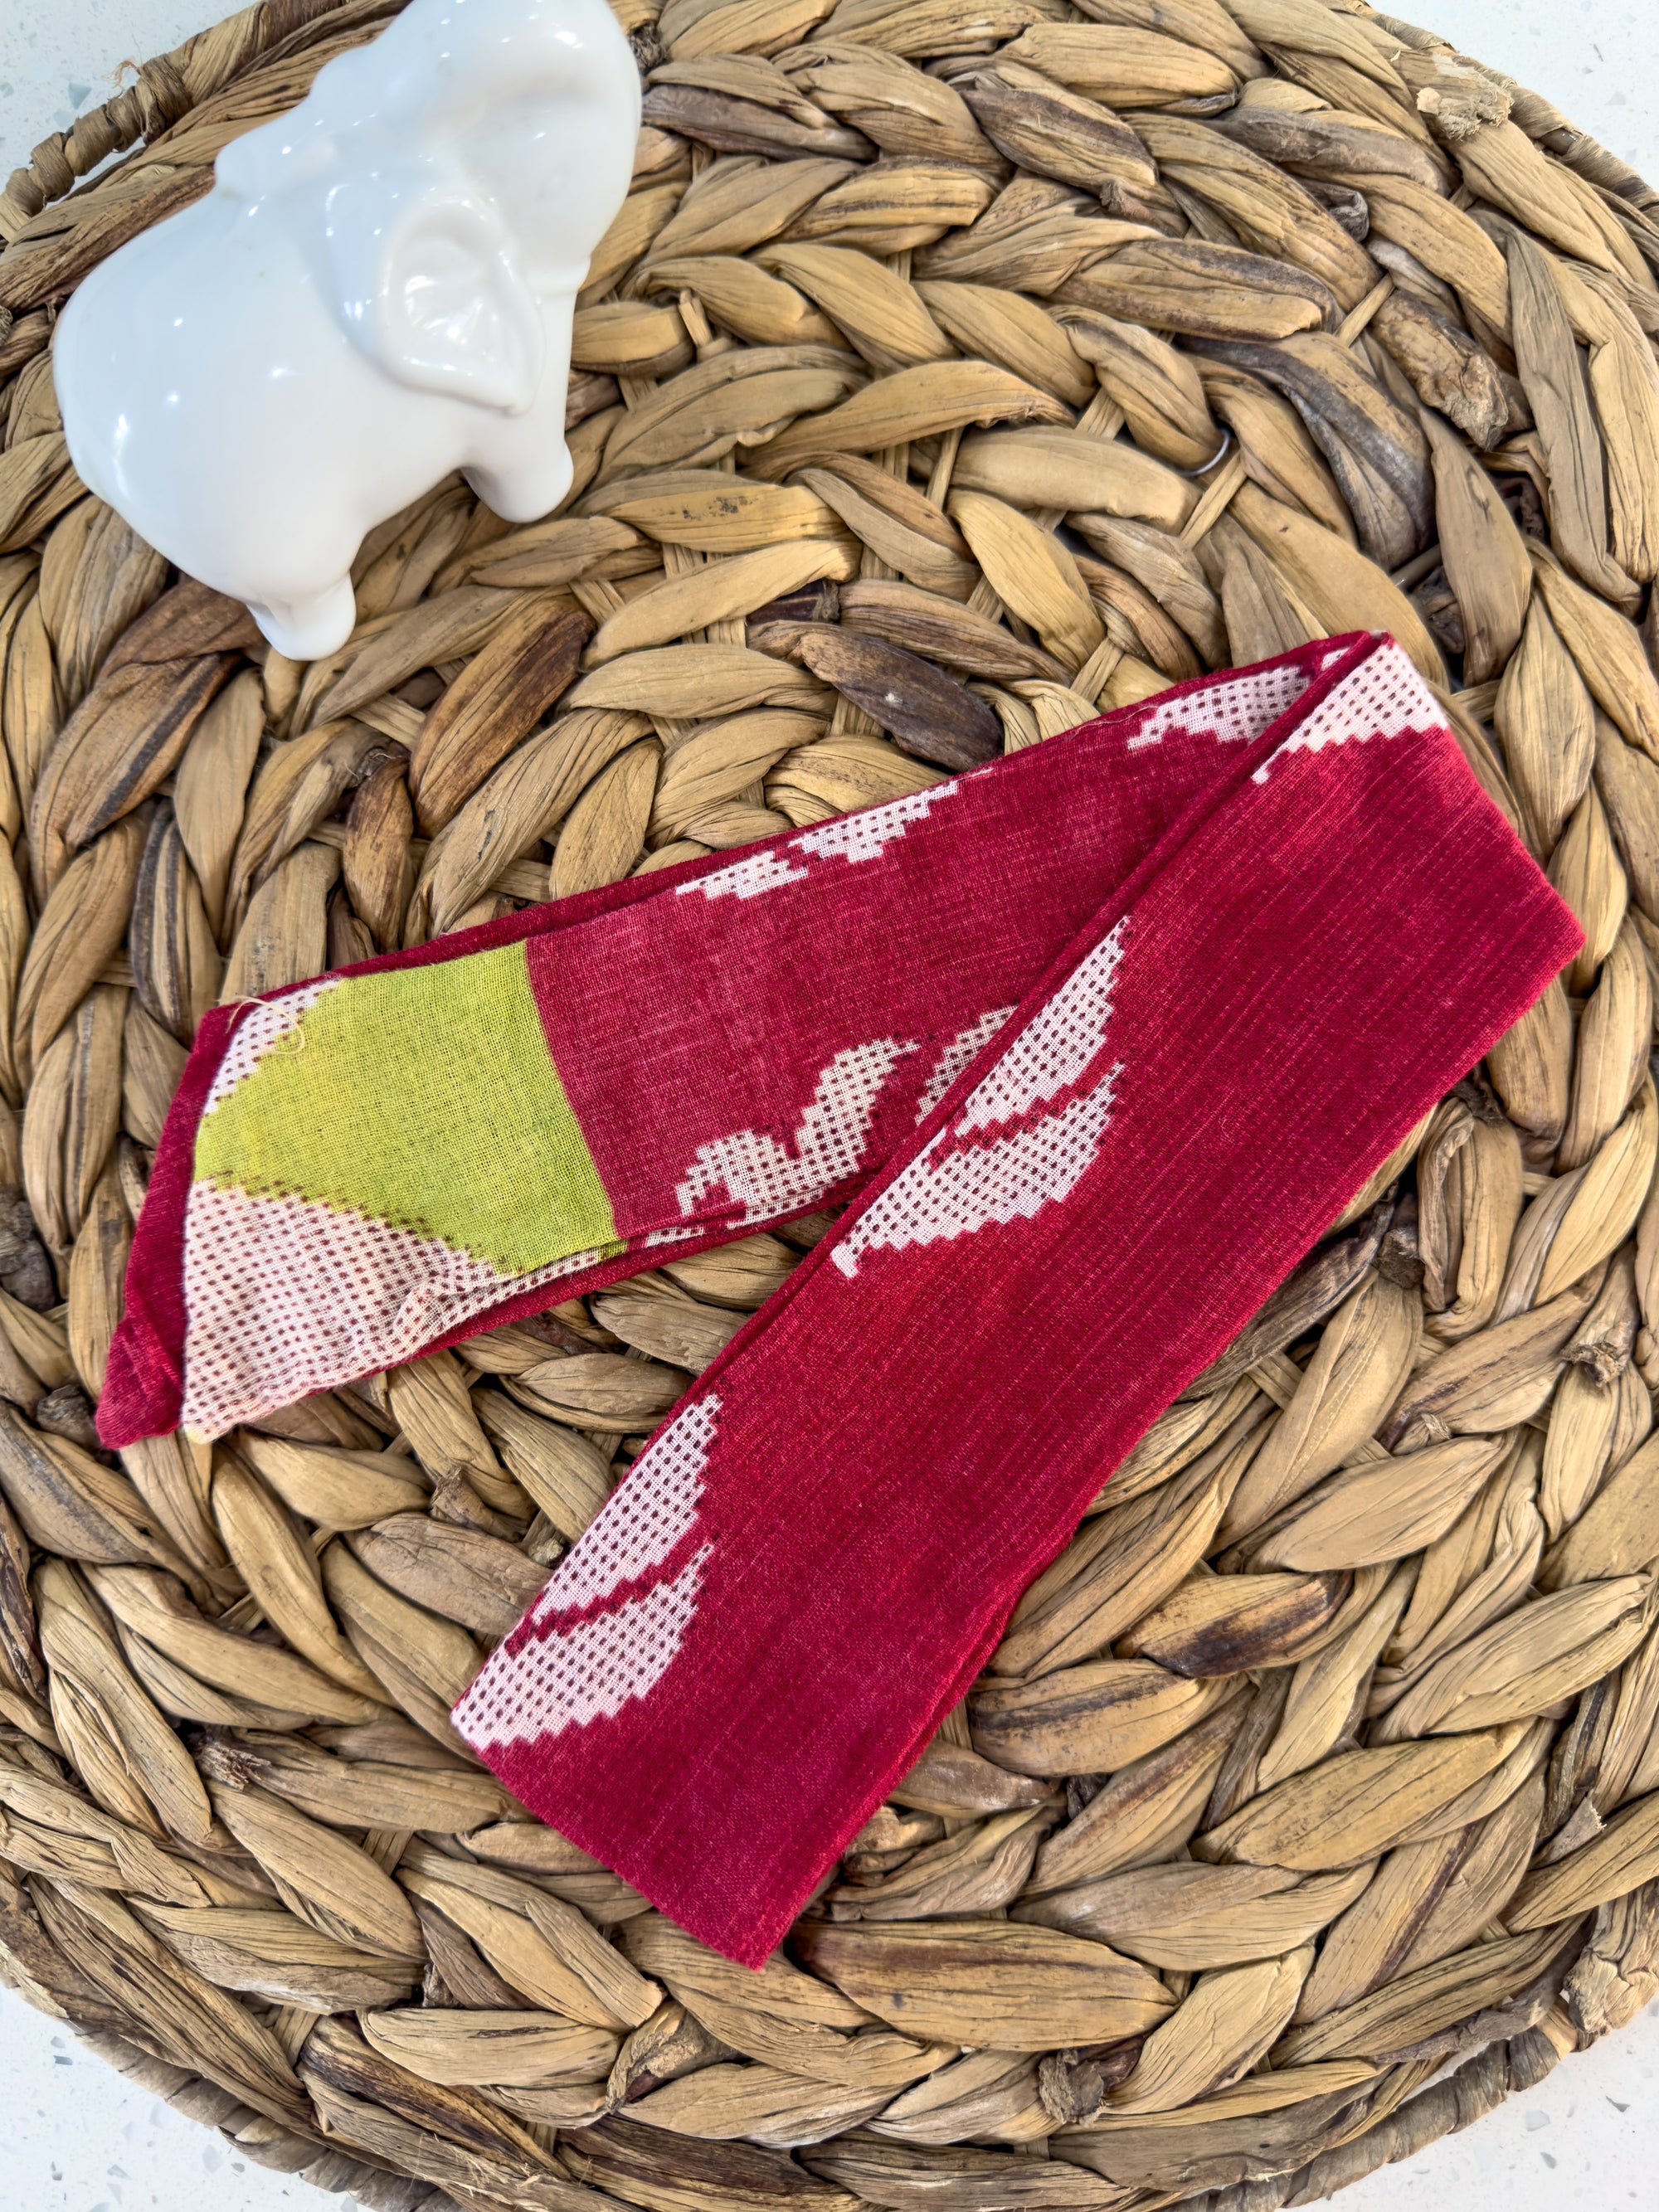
(378, 291)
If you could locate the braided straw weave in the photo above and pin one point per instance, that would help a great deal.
(1342, 1711)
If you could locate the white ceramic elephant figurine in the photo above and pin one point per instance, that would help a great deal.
(378, 291)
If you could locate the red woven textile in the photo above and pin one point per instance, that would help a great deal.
(730, 1057)
(1097, 1039)
(1291, 935)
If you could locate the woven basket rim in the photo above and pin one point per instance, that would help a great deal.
(135, 124)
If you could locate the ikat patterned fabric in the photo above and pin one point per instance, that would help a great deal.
(1093, 1043)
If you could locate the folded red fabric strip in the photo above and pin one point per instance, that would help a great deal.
(1098, 1040)
(362, 1166)
(1297, 941)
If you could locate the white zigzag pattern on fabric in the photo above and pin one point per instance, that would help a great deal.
(942, 1194)
(286, 1296)
(761, 872)
(1384, 697)
(263, 1031)
(590, 1672)
(755, 1169)
(1232, 713)
(866, 835)
(862, 836)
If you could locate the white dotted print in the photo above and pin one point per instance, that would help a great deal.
(962, 1048)
(756, 1172)
(947, 1193)
(1007, 1180)
(862, 836)
(286, 1297)
(640, 1524)
(1385, 698)
(590, 1670)
(865, 835)
(1056, 1046)
(1233, 713)
(744, 879)
(262, 1029)
(587, 1674)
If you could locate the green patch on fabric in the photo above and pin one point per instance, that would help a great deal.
(425, 1097)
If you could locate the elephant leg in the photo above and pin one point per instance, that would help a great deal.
(308, 628)
(527, 485)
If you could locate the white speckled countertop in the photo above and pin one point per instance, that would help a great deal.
(74, 2137)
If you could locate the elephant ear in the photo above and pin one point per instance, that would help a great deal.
(428, 285)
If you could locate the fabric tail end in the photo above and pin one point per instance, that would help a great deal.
(142, 1394)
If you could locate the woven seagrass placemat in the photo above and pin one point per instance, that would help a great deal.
(1281, 320)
